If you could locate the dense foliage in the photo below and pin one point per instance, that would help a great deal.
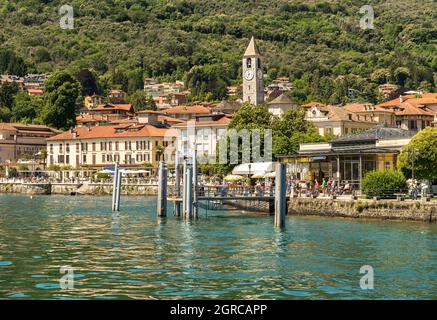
(383, 183)
(424, 145)
(202, 41)
(287, 132)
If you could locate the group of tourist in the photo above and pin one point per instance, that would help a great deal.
(326, 187)
(415, 188)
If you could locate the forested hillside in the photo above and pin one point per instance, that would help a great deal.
(202, 41)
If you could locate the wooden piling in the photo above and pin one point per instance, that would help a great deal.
(195, 184)
(161, 208)
(116, 189)
(280, 195)
(189, 194)
(177, 187)
(184, 187)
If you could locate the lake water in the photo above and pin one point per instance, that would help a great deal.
(226, 255)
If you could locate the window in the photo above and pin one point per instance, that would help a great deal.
(249, 63)
(413, 124)
(67, 159)
(110, 146)
(103, 158)
(51, 159)
(328, 131)
(101, 146)
(94, 159)
(84, 158)
(116, 145)
(61, 148)
(94, 146)
(51, 148)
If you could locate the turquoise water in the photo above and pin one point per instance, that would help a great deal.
(226, 255)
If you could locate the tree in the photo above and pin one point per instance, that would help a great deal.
(7, 92)
(292, 129)
(401, 75)
(59, 101)
(383, 183)
(141, 101)
(87, 81)
(207, 82)
(10, 63)
(423, 147)
(25, 107)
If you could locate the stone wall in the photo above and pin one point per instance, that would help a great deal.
(25, 188)
(381, 209)
(69, 188)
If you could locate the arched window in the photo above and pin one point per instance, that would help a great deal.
(249, 62)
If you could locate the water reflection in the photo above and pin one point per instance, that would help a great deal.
(134, 254)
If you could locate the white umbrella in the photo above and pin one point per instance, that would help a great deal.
(233, 177)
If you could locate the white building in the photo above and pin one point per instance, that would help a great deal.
(281, 105)
(203, 132)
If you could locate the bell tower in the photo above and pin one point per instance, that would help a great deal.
(253, 84)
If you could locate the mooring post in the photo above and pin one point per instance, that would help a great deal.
(120, 182)
(177, 186)
(114, 188)
(280, 196)
(162, 190)
(184, 187)
(195, 212)
(189, 185)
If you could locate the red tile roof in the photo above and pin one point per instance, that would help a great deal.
(96, 132)
(188, 110)
(408, 109)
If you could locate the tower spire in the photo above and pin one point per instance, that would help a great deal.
(252, 48)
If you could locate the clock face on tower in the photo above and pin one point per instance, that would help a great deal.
(259, 74)
(248, 74)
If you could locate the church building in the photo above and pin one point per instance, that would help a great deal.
(253, 85)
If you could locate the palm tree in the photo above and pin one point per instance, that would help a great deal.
(159, 151)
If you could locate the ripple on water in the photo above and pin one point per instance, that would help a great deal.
(19, 295)
(48, 285)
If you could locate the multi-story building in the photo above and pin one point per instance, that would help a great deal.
(19, 141)
(155, 89)
(117, 96)
(187, 112)
(372, 113)
(130, 144)
(203, 133)
(413, 112)
(336, 121)
(281, 105)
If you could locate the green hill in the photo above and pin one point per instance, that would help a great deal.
(313, 42)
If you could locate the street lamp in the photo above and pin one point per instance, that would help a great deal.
(413, 153)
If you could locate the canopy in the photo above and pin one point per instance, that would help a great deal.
(258, 175)
(256, 167)
(270, 175)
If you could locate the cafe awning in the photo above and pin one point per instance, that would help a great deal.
(255, 167)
